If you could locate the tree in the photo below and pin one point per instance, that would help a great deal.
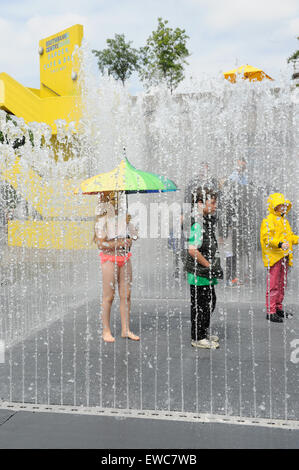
(294, 56)
(164, 55)
(8, 196)
(119, 59)
(18, 142)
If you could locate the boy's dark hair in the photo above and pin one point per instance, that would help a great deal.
(202, 194)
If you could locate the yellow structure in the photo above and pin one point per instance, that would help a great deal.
(50, 200)
(67, 235)
(247, 72)
(57, 98)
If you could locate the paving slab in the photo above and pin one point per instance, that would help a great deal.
(29, 430)
(5, 415)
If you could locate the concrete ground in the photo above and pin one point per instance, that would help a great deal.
(29, 430)
(254, 372)
(63, 361)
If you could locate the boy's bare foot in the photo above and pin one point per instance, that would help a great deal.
(107, 336)
(130, 335)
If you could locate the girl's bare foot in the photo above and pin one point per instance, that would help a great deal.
(107, 336)
(130, 335)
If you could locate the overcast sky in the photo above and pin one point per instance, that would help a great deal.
(258, 32)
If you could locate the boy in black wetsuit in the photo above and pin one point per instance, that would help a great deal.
(203, 267)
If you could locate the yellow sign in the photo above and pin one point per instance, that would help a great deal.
(59, 94)
(58, 64)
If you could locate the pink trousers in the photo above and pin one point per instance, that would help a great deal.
(276, 284)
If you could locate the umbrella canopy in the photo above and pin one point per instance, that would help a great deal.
(125, 177)
(248, 71)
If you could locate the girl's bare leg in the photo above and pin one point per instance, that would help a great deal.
(124, 287)
(108, 272)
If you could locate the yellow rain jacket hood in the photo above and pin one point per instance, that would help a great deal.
(275, 228)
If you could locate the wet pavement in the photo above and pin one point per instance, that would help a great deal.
(25, 430)
(252, 374)
(56, 357)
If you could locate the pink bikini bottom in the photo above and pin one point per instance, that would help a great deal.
(118, 259)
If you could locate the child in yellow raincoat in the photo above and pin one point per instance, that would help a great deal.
(277, 240)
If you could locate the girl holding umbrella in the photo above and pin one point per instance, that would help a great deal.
(114, 232)
(113, 235)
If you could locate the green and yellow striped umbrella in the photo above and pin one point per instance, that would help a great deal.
(125, 177)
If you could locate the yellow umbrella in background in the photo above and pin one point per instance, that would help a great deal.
(248, 71)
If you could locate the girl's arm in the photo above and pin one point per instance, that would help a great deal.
(193, 251)
(110, 245)
(133, 231)
(268, 235)
(290, 234)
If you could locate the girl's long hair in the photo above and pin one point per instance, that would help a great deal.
(97, 218)
(102, 199)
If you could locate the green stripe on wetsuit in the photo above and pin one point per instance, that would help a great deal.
(195, 239)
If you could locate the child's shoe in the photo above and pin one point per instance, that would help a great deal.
(214, 338)
(283, 314)
(274, 317)
(205, 344)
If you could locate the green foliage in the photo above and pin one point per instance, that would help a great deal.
(164, 56)
(294, 56)
(18, 142)
(31, 138)
(2, 136)
(119, 59)
(9, 198)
